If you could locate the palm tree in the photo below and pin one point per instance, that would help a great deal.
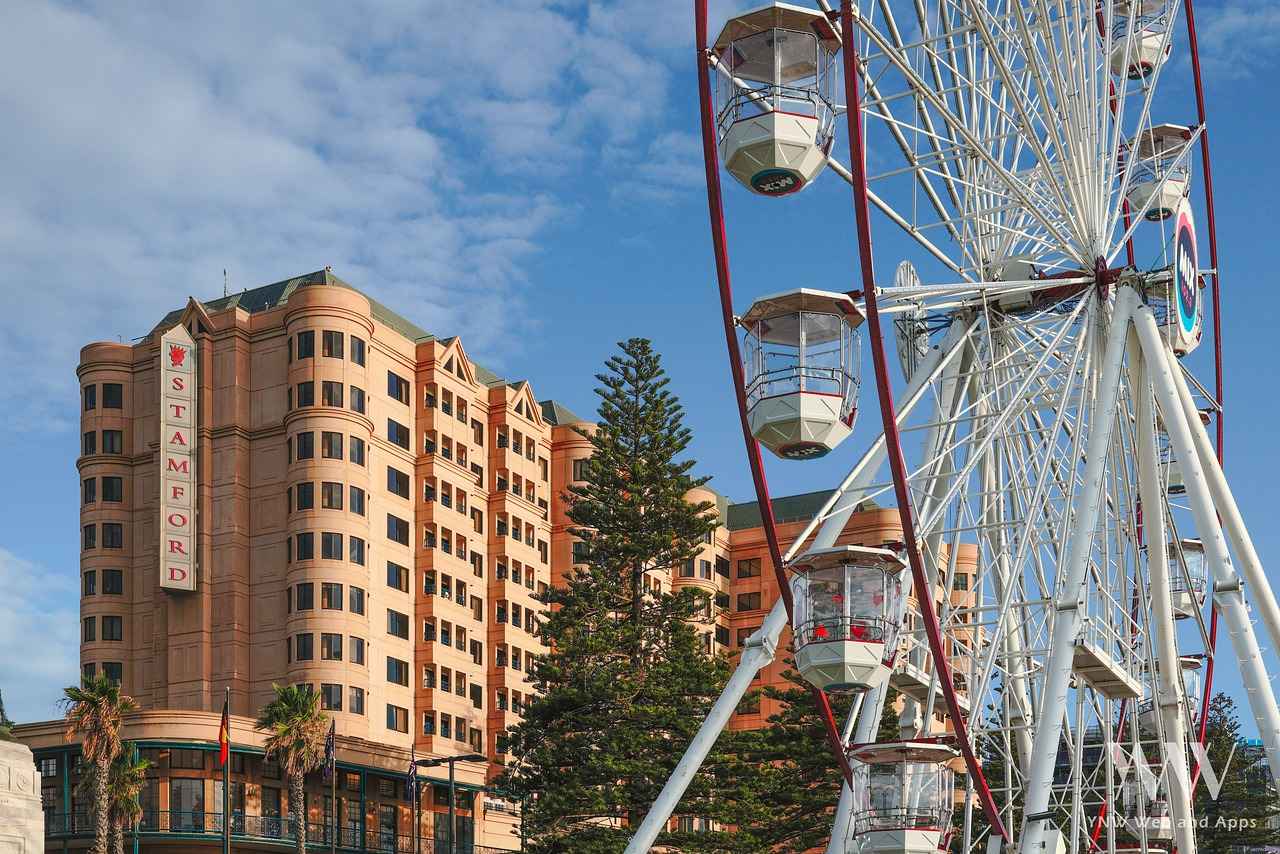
(125, 782)
(93, 711)
(296, 733)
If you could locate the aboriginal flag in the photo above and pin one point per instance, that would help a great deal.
(224, 735)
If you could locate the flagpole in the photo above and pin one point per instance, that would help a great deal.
(226, 778)
(333, 799)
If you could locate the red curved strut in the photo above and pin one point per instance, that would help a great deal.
(893, 443)
(715, 205)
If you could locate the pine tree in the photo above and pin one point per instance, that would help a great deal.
(626, 682)
(800, 780)
(6, 725)
(1238, 818)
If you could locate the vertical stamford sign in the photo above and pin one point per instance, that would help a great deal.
(177, 459)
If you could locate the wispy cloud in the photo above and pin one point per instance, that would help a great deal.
(39, 636)
(1239, 38)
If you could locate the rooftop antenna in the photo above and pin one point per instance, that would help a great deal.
(224, 281)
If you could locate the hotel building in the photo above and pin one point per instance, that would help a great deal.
(297, 485)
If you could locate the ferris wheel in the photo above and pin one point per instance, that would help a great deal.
(1043, 433)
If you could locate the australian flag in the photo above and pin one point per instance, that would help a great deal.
(411, 777)
(330, 750)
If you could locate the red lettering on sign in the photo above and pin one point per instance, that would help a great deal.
(179, 384)
(176, 547)
(177, 573)
(177, 438)
(177, 491)
(178, 409)
(182, 466)
(178, 520)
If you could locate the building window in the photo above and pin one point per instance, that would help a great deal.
(397, 577)
(306, 345)
(397, 671)
(114, 671)
(331, 596)
(89, 630)
(112, 442)
(397, 530)
(303, 647)
(330, 647)
(357, 399)
(306, 395)
(397, 718)
(748, 601)
(89, 586)
(331, 345)
(112, 628)
(355, 600)
(356, 704)
(397, 388)
(357, 350)
(331, 694)
(189, 760)
(112, 396)
(961, 581)
(686, 569)
(331, 393)
(357, 500)
(397, 624)
(331, 495)
(89, 539)
(305, 444)
(113, 582)
(357, 451)
(48, 767)
(749, 568)
(331, 445)
(90, 395)
(90, 443)
(113, 489)
(355, 550)
(704, 569)
(397, 482)
(89, 490)
(112, 535)
(397, 433)
(306, 546)
(306, 598)
(305, 495)
(330, 546)
(722, 566)
(356, 646)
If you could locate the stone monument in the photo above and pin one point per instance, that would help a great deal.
(21, 816)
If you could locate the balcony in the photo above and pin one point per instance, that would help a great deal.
(265, 832)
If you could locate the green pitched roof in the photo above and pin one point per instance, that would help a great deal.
(554, 412)
(789, 508)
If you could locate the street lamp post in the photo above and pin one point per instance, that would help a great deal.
(450, 760)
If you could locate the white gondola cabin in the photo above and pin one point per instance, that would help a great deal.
(1161, 175)
(903, 795)
(776, 81)
(1190, 589)
(802, 359)
(1191, 688)
(1145, 815)
(846, 616)
(1140, 42)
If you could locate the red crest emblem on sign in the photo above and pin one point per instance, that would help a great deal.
(177, 355)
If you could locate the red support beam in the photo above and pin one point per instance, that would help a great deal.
(893, 443)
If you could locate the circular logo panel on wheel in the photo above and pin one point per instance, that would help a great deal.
(776, 182)
(1186, 276)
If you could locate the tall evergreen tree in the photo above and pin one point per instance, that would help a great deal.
(1248, 802)
(627, 680)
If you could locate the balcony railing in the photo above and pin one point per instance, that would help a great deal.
(261, 828)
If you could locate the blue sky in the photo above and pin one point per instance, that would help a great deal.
(524, 174)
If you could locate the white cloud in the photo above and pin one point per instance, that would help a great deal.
(39, 636)
(1239, 38)
(414, 147)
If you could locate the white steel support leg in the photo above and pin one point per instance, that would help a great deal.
(1168, 678)
(757, 654)
(1228, 591)
(1261, 594)
(1068, 604)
